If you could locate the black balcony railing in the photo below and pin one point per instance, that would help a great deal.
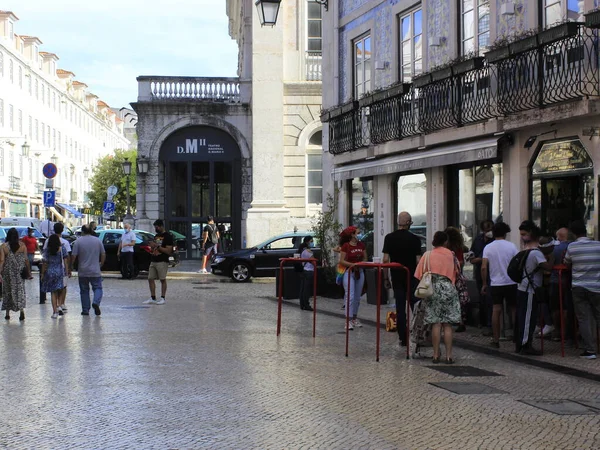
(558, 65)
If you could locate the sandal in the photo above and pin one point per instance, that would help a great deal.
(449, 361)
(436, 360)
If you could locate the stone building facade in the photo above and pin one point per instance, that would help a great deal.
(266, 122)
(457, 112)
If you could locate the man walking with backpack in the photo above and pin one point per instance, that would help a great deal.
(496, 258)
(527, 269)
(210, 239)
(583, 256)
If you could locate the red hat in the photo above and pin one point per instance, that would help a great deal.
(348, 231)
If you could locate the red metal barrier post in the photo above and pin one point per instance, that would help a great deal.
(282, 262)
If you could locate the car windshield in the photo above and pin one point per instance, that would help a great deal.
(23, 232)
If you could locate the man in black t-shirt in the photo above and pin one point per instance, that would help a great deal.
(210, 239)
(403, 247)
(162, 248)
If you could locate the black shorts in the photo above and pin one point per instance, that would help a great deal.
(502, 293)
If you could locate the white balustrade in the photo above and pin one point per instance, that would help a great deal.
(157, 88)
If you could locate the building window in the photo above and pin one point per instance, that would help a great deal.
(554, 11)
(1, 63)
(1, 112)
(314, 169)
(43, 133)
(20, 121)
(314, 27)
(11, 118)
(37, 131)
(362, 66)
(20, 77)
(475, 26)
(43, 94)
(37, 89)
(411, 44)
(30, 127)
(29, 83)
(1, 160)
(10, 71)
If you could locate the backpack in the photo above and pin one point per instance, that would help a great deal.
(516, 266)
(212, 236)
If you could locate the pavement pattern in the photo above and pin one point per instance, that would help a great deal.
(206, 370)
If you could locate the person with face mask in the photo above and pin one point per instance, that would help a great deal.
(125, 252)
(162, 248)
(306, 285)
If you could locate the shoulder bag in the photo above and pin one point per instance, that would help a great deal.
(425, 286)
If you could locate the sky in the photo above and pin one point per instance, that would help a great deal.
(108, 43)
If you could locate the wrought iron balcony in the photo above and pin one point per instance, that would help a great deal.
(314, 63)
(557, 65)
(192, 89)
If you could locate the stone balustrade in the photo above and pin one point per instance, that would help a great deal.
(192, 89)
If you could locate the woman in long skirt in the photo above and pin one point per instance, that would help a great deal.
(13, 262)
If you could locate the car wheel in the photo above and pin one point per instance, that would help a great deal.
(240, 272)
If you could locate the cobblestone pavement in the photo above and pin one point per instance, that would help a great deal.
(207, 371)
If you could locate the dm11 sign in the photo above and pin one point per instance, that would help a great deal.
(199, 144)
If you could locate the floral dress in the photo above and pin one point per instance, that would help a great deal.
(13, 286)
(443, 306)
(53, 278)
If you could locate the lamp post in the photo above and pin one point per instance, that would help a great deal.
(127, 171)
(142, 167)
(268, 11)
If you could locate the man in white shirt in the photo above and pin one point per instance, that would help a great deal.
(496, 257)
(125, 252)
(62, 296)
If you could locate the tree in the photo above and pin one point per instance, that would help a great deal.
(109, 171)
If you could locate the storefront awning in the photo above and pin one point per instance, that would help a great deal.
(56, 214)
(480, 150)
(70, 209)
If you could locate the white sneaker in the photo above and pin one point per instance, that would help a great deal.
(350, 325)
(64, 308)
(357, 323)
(150, 301)
(547, 330)
(160, 302)
(202, 271)
(55, 315)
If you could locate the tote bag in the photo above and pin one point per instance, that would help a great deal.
(425, 286)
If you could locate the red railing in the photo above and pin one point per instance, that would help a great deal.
(379, 266)
(283, 261)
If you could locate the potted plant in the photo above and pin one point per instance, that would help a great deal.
(468, 65)
(562, 31)
(422, 80)
(441, 73)
(498, 52)
(592, 18)
(524, 45)
(366, 100)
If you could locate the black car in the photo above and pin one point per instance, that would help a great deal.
(261, 260)
(142, 252)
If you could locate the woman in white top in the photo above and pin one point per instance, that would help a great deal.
(306, 284)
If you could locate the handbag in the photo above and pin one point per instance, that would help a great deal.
(25, 273)
(390, 321)
(425, 286)
(461, 286)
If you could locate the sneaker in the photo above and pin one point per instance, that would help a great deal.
(85, 313)
(547, 330)
(54, 315)
(150, 301)
(60, 312)
(161, 301)
(357, 323)
(350, 325)
(96, 309)
(588, 355)
(202, 271)
(64, 308)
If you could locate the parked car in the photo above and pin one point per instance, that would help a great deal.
(261, 260)
(37, 257)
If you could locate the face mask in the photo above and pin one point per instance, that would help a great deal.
(157, 229)
(311, 244)
(489, 235)
(526, 239)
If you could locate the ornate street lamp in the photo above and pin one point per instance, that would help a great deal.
(86, 172)
(268, 11)
(127, 171)
(25, 149)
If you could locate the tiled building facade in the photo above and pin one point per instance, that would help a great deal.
(455, 111)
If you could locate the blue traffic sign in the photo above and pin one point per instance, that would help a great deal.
(49, 198)
(108, 208)
(49, 170)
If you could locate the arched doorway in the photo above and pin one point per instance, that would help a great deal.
(202, 167)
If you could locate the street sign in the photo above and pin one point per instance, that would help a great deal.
(108, 208)
(111, 192)
(49, 170)
(49, 198)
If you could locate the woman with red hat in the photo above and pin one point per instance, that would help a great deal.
(352, 251)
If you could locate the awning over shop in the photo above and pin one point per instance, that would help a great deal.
(56, 214)
(71, 210)
(480, 150)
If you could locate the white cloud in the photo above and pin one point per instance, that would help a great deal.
(108, 44)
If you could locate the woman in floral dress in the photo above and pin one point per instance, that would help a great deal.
(13, 259)
(52, 273)
(442, 308)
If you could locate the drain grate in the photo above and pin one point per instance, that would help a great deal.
(564, 407)
(135, 307)
(465, 371)
(468, 388)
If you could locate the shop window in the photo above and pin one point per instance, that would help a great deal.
(411, 196)
(361, 214)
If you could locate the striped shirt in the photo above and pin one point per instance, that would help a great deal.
(584, 257)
